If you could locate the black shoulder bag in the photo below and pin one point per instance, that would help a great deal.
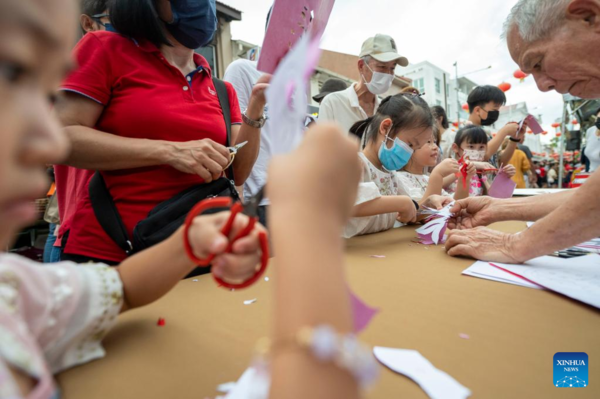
(168, 216)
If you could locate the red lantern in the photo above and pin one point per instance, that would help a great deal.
(558, 134)
(544, 132)
(465, 106)
(575, 122)
(520, 75)
(555, 125)
(504, 86)
(529, 131)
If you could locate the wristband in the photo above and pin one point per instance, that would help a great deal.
(514, 140)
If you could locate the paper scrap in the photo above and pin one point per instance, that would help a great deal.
(195, 280)
(290, 21)
(253, 384)
(362, 313)
(435, 383)
(266, 279)
(464, 336)
(378, 256)
(577, 278)
(503, 186)
(226, 387)
(161, 322)
(486, 271)
(287, 96)
(250, 301)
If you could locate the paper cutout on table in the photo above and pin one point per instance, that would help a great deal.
(432, 233)
(250, 301)
(577, 278)
(486, 271)
(503, 186)
(290, 21)
(253, 384)
(532, 123)
(226, 387)
(378, 256)
(464, 336)
(362, 313)
(435, 383)
(287, 96)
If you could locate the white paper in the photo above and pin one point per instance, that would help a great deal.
(577, 278)
(435, 383)
(287, 96)
(251, 385)
(488, 272)
(530, 192)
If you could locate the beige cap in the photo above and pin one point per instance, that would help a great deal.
(383, 49)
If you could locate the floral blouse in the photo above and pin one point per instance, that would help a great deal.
(52, 318)
(375, 184)
(416, 185)
(475, 189)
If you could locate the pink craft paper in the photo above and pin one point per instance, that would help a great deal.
(502, 187)
(290, 19)
(534, 125)
(362, 312)
(432, 233)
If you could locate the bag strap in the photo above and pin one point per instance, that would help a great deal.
(107, 213)
(224, 101)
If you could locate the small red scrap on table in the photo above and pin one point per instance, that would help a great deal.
(161, 322)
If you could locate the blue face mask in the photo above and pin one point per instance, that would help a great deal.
(110, 28)
(194, 22)
(394, 158)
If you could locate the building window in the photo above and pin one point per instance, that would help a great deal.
(447, 90)
(438, 102)
(438, 86)
(420, 84)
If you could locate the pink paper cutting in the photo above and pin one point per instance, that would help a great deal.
(290, 20)
(464, 336)
(378, 256)
(503, 186)
(362, 312)
(433, 232)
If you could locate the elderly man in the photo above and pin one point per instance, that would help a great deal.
(378, 59)
(550, 39)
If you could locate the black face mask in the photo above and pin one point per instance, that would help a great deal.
(491, 119)
(597, 123)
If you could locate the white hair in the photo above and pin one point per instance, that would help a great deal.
(536, 19)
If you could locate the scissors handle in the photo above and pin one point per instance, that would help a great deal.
(224, 202)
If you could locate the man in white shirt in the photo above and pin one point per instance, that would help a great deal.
(243, 75)
(378, 59)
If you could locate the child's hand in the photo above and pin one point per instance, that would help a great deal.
(407, 213)
(471, 169)
(437, 202)
(320, 177)
(446, 168)
(509, 170)
(511, 130)
(205, 238)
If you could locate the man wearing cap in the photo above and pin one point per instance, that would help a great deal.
(378, 59)
(332, 85)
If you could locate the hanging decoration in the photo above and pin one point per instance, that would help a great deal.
(504, 86)
(520, 75)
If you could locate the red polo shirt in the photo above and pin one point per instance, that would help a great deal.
(144, 97)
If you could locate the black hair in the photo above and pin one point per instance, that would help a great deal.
(483, 95)
(139, 20)
(472, 134)
(439, 111)
(268, 18)
(93, 7)
(406, 110)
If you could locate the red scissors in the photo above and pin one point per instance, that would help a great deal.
(250, 210)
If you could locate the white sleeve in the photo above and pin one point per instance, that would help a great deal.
(238, 75)
(326, 110)
(405, 185)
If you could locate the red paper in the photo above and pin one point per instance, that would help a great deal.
(291, 19)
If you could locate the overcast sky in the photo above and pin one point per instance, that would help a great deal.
(439, 31)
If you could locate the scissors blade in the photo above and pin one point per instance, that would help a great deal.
(238, 147)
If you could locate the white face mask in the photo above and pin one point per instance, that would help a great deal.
(380, 82)
(474, 155)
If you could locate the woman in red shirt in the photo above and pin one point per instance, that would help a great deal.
(142, 109)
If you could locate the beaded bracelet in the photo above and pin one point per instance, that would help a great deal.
(345, 351)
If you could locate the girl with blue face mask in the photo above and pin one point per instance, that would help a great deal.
(402, 124)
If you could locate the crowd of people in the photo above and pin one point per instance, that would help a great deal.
(140, 124)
